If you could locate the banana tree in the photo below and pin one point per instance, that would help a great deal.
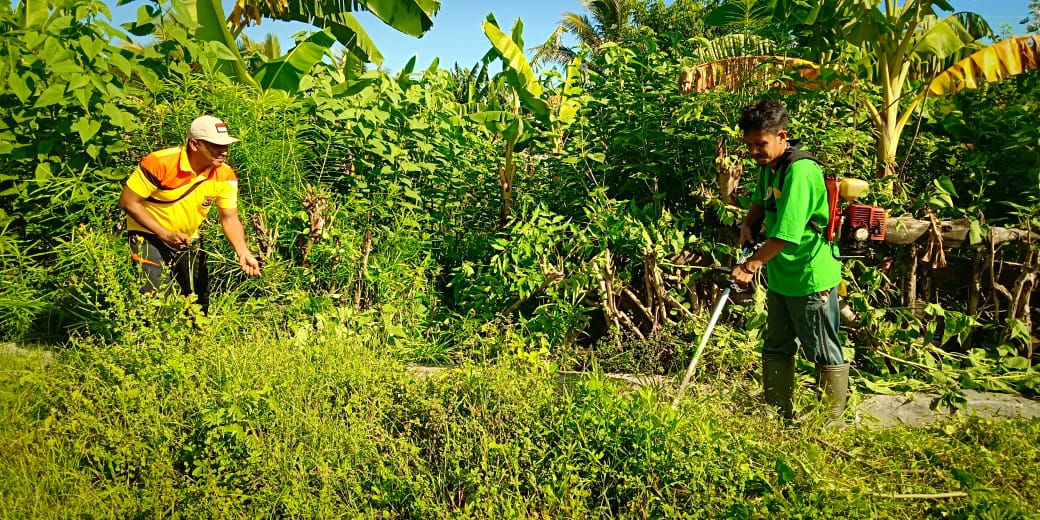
(897, 47)
(901, 45)
(526, 104)
(412, 17)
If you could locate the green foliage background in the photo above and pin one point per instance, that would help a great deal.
(294, 399)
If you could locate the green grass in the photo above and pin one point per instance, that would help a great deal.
(246, 423)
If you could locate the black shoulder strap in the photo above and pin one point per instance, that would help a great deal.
(154, 200)
(794, 153)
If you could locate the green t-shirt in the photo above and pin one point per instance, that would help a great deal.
(807, 265)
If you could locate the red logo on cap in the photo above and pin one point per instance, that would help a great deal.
(221, 128)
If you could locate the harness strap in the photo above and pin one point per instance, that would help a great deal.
(793, 153)
(154, 200)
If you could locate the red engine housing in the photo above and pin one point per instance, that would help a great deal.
(863, 216)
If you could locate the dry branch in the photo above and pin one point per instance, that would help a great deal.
(359, 287)
(638, 304)
(265, 239)
(550, 274)
(605, 279)
(935, 254)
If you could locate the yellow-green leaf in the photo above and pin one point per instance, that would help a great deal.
(994, 63)
(86, 128)
(52, 95)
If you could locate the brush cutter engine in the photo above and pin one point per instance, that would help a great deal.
(862, 226)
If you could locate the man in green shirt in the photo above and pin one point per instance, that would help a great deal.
(801, 269)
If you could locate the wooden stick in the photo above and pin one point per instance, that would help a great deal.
(359, 287)
(639, 305)
(923, 496)
(911, 277)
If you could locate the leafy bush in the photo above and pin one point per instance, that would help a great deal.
(248, 423)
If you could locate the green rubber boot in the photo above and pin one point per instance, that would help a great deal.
(778, 383)
(833, 382)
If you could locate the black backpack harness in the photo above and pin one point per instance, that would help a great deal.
(793, 153)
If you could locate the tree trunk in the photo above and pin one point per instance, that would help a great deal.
(506, 172)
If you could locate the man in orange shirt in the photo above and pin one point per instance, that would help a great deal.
(167, 198)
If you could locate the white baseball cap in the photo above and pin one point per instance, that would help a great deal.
(211, 130)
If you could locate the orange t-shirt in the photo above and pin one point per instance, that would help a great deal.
(166, 175)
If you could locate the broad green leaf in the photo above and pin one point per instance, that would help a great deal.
(784, 473)
(119, 61)
(33, 13)
(351, 34)
(65, 68)
(54, 94)
(1017, 363)
(800, 11)
(209, 14)
(86, 127)
(118, 117)
(409, 67)
(975, 233)
(43, 171)
(218, 49)
(150, 79)
(506, 123)
(412, 17)
(79, 81)
(57, 24)
(432, 69)
(91, 47)
(143, 26)
(517, 33)
(110, 174)
(188, 15)
(738, 12)
(942, 39)
(285, 73)
(946, 185)
(82, 91)
(519, 72)
(19, 87)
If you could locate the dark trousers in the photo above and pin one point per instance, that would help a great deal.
(161, 265)
(810, 321)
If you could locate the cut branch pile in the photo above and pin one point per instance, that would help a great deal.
(643, 309)
(1003, 267)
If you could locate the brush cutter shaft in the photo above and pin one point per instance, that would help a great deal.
(719, 305)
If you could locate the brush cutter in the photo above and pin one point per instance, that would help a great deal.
(719, 305)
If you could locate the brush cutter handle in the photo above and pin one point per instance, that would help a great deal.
(745, 252)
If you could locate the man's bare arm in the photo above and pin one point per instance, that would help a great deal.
(236, 235)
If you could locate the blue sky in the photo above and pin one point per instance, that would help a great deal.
(457, 36)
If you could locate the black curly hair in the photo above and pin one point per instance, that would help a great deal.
(766, 115)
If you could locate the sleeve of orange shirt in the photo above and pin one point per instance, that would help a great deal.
(153, 172)
(227, 192)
